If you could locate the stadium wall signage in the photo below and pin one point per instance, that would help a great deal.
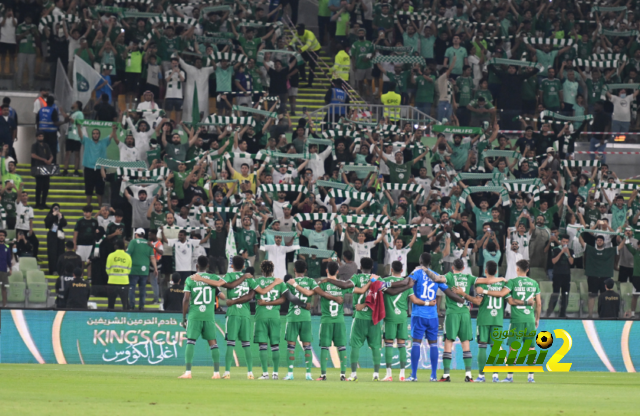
(76, 337)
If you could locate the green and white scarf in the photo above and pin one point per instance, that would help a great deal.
(620, 186)
(358, 167)
(321, 254)
(320, 142)
(595, 64)
(548, 41)
(110, 163)
(255, 111)
(477, 189)
(50, 21)
(131, 173)
(462, 176)
(609, 56)
(410, 187)
(329, 184)
(225, 121)
(558, 116)
(515, 62)
(174, 20)
(282, 188)
(398, 49)
(359, 196)
(615, 33)
(313, 217)
(213, 210)
(500, 153)
(581, 163)
(399, 59)
(521, 187)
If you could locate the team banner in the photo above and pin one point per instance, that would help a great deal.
(466, 131)
(156, 338)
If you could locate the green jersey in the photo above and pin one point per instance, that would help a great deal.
(296, 313)
(359, 51)
(459, 153)
(250, 47)
(247, 240)
(178, 182)
(202, 304)
(361, 280)
(9, 202)
(332, 312)
(464, 282)
(481, 218)
(551, 92)
(595, 90)
(396, 307)
(314, 267)
(548, 214)
(465, 90)
(239, 291)
(140, 252)
(271, 311)
(490, 310)
(27, 43)
(425, 89)
(400, 80)
(157, 220)
(399, 173)
(522, 288)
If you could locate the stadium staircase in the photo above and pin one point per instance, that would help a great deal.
(67, 191)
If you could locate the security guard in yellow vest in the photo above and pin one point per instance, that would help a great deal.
(342, 65)
(391, 99)
(118, 268)
(310, 45)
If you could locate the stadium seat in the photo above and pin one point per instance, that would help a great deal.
(16, 291)
(538, 274)
(38, 294)
(626, 293)
(584, 297)
(578, 275)
(28, 263)
(546, 290)
(35, 276)
(574, 299)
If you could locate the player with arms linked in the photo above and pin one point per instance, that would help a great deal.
(490, 315)
(525, 316)
(424, 315)
(457, 322)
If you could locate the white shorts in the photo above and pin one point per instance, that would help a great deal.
(84, 252)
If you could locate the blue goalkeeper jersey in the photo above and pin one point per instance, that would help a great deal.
(425, 289)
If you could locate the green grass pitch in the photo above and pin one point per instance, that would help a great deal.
(118, 390)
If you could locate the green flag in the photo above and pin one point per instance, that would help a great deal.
(195, 110)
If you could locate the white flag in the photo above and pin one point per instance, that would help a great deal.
(230, 249)
(85, 79)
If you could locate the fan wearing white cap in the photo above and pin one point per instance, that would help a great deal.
(551, 161)
(142, 258)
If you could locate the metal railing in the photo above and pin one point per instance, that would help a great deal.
(364, 114)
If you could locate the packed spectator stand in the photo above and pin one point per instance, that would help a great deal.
(383, 130)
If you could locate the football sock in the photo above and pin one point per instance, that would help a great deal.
(188, 354)
(264, 358)
(275, 356)
(246, 346)
(531, 375)
(308, 357)
(509, 375)
(389, 374)
(355, 356)
(376, 359)
(482, 358)
(433, 357)
(291, 356)
(388, 354)
(402, 352)
(401, 373)
(324, 357)
(215, 355)
(415, 359)
(342, 353)
(467, 357)
(228, 355)
(446, 363)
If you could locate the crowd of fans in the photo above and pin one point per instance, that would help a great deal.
(344, 190)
